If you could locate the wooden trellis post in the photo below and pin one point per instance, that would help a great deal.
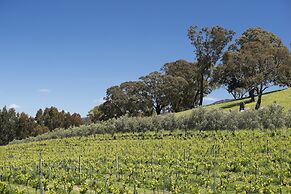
(40, 174)
(80, 170)
(214, 171)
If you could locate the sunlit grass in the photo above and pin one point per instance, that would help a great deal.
(281, 97)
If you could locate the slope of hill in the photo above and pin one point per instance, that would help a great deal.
(168, 162)
(281, 97)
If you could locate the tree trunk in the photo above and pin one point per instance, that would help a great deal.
(195, 99)
(252, 94)
(258, 104)
(260, 93)
(201, 90)
(158, 109)
(233, 95)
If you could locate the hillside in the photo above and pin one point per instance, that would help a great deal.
(281, 97)
(196, 162)
(150, 155)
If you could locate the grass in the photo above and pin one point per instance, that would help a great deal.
(281, 97)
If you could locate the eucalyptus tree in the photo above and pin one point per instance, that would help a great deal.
(138, 101)
(261, 60)
(174, 90)
(8, 125)
(164, 91)
(115, 103)
(187, 73)
(128, 98)
(209, 45)
(155, 89)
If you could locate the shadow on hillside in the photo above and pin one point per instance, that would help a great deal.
(246, 100)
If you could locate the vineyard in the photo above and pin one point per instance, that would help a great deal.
(244, 161)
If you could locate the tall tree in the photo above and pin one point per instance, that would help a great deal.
(52, 118)
(128, 98)
(8, 125)
(174, 88)
(115, 104)
(188, 72)
(20, 125)
(138, 102)
(209, 44)
(155, 89)
(39, 117)
(25, 127)
(260, 56)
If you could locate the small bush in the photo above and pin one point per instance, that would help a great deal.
(195, 119)
(231, 121)
(248, 120)
(288, 119)
(272, 117)
(214, 120)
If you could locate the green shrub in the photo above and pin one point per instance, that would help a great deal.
(201, 119)
(272, 117)
(231, 120)
(288, 119)
(214, 120)
(248, 119)
(195, 119)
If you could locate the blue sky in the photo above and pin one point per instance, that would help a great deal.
(66, 53)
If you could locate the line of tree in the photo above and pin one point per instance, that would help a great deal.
(15, 125)
(249, 65)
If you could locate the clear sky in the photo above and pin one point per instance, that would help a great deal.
(65, 53)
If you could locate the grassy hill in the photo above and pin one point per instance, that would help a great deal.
(281, 97)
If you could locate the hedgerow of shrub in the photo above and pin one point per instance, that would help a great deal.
(202, 119)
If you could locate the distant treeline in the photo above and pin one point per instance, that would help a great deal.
(20, 125)
(248, 65)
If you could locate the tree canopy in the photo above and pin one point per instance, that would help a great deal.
(15, 125)
(255, 61)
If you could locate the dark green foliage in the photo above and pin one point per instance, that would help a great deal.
(163, 91)
(53, 118)
(8, 125)
(156, 92)
(284, 73)
(188, 95)
(129, 98)
(231, 78)
(17, 126)
(20, 125)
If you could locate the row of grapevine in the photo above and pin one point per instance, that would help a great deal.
(198, 162)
